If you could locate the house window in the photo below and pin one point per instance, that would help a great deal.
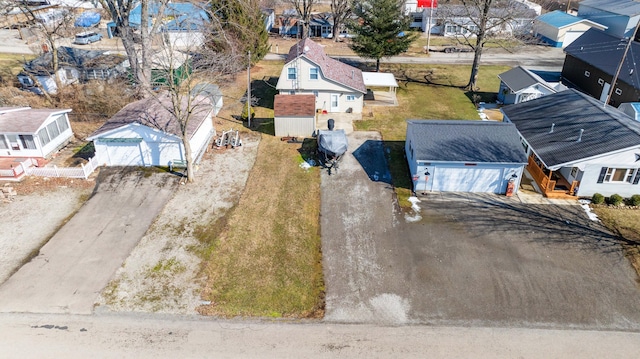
(27, 142)
(63, 125)
(587, 74)
(351, 97)
(44, 136)
(313, 73)
(618, 91)
(292, 92)
(3, 143)
(600, 82)
(316, 94)
(574, 172)
(291, 73)
(53, 130)
(617, 174)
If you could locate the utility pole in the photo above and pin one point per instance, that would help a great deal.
(624, 57)
(429, 26)
(249, 90)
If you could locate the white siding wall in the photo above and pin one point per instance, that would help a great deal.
(546, 30)
(294, 126)
(201, 138)
(589, 181)
(155, 148)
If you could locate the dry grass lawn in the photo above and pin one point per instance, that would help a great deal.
(626, 223)
(264, 258)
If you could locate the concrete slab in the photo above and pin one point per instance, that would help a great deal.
(343, 121)
(80, 259)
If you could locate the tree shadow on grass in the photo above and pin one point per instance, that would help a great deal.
(476, 97)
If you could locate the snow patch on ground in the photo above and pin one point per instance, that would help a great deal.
(415, 216)
(584, 203)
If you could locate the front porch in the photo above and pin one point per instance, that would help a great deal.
(551, 183)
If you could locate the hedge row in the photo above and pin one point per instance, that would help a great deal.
(616, 200)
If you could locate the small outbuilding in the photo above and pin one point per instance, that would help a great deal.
(632, 109)
(147, 133)
(294, 115)
(464, 156)
(560, 29)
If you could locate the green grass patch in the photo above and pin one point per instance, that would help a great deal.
(432, 92)
(267, 260)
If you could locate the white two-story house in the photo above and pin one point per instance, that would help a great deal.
(337, 86)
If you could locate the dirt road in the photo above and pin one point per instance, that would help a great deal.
(142, 336)
(74, 266)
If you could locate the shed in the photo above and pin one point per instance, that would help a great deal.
(147, 133)
(560, 29)
(463, 156)
(294, 115)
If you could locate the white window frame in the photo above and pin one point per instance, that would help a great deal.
(618, 91)
(292, 74)
(587, 73)
(600, 82)
(312, 74)
(629, 174)
(351, 98)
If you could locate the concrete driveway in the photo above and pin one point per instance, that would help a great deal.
(472, 259)
(78, 261)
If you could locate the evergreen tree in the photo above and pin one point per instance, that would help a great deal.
(243, 20)
(381, 29)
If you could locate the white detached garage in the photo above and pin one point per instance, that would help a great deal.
(147, 133)
(463, 156)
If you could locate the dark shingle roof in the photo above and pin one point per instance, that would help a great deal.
(294, 105)
(332, 69)
(519, 78)
(605, 129)
(604, 51)
(158, 113)
(465, 141)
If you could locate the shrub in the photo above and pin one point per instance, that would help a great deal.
(616, 199)
(243, 116)
(597, 198)
(635, 200)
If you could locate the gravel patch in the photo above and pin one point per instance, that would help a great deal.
(161, 273)
(29, 220)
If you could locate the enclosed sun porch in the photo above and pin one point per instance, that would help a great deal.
(553, 183)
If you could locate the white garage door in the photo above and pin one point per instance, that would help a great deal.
(467, 179)
(125, 154)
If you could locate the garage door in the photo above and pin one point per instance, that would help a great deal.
(467, 179)
(124, 154)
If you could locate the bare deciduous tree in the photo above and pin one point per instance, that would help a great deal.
(304, 9)
(341, 10)
(479, 21)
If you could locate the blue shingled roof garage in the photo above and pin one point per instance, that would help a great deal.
(463, 156)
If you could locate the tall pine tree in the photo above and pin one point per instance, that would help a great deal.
(243, 20)
(381, 29)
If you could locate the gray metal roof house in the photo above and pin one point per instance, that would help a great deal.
(577, 146)
(619, 16)
(463, 156)
(520, 85)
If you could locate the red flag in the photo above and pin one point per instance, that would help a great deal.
(428, 3)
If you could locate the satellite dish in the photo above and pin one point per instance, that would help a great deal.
(306, 48)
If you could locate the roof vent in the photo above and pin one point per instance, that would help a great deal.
(580, 135)
(552, 126)
(353, 72)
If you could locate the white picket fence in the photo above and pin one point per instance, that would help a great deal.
(18, 170)
(70, 172)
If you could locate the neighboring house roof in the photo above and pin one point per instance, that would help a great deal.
(332, 69)
(321, 19)
(465, 141)
(560, 19)
(157, 112)
(606, 129)
(620, 7)
(515, 9)
(519, 78)
(25, 119)
(604, 52)
(76, 58)
(185, 16)
(294, 105)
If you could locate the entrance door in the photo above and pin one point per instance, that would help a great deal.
(605, 91)
(334, 103)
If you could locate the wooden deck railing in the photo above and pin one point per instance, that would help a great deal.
(539, 176)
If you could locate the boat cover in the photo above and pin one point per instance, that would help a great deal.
(333, 143)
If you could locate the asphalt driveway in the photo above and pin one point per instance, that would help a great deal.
(79, 260)
(471, 260)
